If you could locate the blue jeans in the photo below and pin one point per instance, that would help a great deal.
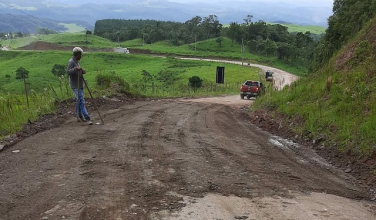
(80, 104)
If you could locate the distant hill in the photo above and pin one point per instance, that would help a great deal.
(25, 24)
(281, 22)
(30, 24)
(297, 12)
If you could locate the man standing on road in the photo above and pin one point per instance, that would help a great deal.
(75, 72)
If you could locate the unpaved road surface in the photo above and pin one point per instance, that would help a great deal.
(173, 159)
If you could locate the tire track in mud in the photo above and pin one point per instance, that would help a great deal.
(144, 180)
(105, 193)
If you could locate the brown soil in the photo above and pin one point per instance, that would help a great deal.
(342, 60)
(361, 168)
(149, 154)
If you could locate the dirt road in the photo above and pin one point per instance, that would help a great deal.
(172, 159)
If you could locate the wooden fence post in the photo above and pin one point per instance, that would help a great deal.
(27, 96)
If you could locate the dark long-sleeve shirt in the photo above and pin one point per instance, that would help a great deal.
(73, 74)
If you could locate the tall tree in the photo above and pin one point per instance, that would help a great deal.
(248, 19)
(212, 26)
(234, 32)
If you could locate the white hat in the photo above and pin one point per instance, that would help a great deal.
(77, 49)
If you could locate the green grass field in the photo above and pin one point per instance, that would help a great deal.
(304, 28)
(128, 67)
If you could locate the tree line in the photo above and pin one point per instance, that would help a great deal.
(152, 31)
(258, 37)
(273, 40)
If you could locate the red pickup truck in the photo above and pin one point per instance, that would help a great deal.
(251, 89)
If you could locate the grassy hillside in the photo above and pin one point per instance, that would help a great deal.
(304, 28)
(66, 39)
(336, 105)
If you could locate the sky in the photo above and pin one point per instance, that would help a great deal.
(291, 1)
(294, 11)
(296, 2)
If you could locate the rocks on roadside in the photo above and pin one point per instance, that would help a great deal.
(348, 170)
(1, 147)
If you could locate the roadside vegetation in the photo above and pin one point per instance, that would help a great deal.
(337, 104)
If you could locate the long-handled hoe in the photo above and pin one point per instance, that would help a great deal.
(95, 106)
